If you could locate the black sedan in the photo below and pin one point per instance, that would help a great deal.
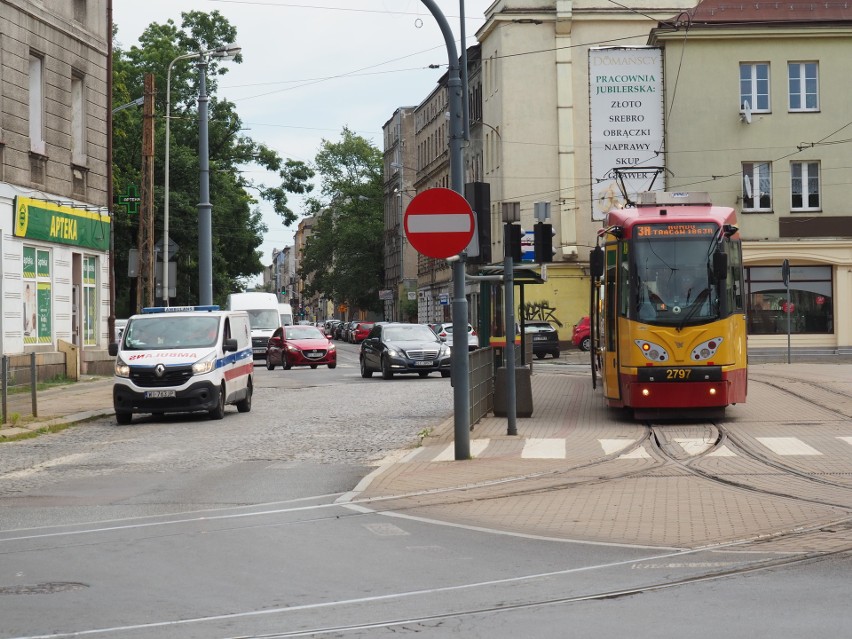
(545, 338)
(403, 348)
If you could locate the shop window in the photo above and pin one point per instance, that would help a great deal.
(809, 307)
(37, 310)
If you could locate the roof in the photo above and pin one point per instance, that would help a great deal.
(759, 13)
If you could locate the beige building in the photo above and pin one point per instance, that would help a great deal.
(54, 110)
(400, 257)
(757, 114)
(536, 127)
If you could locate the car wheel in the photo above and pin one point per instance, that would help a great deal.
(244, 405)
(314, 366)
(539, 355)
(586, 344)
(332, 365)
(423, 373)
(445, 373)
(269, 365)
(386, 369)
(365, 372)
(122, 419)
(219, 411)
(285, 364)
(555, 354)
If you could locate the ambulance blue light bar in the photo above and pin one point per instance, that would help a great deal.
(180, 309)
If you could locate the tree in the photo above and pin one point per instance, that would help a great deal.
(343, 258)
(238, 226)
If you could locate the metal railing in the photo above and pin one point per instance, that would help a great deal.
(481, 383)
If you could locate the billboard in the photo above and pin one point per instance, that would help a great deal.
(626, 124)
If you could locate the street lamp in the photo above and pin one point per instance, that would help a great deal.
(226, 52)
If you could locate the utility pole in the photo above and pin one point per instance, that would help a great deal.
(146, 275)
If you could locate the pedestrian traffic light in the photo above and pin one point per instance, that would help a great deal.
(283, 290)
(543, 242)
(514, 235)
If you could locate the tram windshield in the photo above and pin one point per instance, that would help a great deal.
(670, 275)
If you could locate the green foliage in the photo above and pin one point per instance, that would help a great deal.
(238, 226)
(343, 258)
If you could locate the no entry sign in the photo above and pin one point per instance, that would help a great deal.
(439, 223)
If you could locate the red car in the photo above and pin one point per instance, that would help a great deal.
(582, 330)
(300, 346)
(360, 331)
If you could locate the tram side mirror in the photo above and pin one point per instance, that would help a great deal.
(720, 266)
(596, 262)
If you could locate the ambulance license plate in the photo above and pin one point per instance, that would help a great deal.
(158, 394)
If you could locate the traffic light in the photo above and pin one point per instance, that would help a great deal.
(543, 242)
(478, 195)
(515, 234)
(284, 291)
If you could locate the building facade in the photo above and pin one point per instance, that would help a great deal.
(54, 214)
(772, 80)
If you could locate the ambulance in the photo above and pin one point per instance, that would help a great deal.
(183, 359)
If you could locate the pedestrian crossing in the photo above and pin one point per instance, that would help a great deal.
(557, 448)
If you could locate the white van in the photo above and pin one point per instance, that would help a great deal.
(262, 309)
(183, 359)
(286, 313)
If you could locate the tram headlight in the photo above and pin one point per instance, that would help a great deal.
(652, 352)
(706, 350)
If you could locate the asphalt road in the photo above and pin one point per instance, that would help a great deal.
(189, 528)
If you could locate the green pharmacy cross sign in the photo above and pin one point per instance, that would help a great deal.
(130, 200)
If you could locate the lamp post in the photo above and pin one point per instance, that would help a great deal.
(222, 52)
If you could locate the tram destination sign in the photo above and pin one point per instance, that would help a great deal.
(698, 229)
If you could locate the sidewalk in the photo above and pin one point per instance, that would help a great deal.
(66, 404)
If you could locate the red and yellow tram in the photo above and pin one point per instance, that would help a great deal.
(668, 317)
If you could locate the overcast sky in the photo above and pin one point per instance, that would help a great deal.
(311, 67)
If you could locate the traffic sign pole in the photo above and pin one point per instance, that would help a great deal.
(460, 365)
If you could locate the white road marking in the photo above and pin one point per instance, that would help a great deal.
(848, 440)
(788, 446)
(693, 445)
(539, 448)
(611, 446)
(477, 446)
(722, 451)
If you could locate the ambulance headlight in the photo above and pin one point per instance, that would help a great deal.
(204, 365)
(121, 369)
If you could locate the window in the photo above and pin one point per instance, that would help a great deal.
(90, 301)
(37, 296)
(757, 186)
(804, 186)
(809, 309)
(78, 121)
(36, 104)
(803, 86)
(754, 86)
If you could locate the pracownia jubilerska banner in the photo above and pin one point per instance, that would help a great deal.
(60, 223)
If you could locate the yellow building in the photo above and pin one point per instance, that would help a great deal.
(757, 114)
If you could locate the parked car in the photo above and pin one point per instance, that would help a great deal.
(445, 334)
(545, 338)
(582, 334)
(394, 347)
(300, 346)
(359, 331)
